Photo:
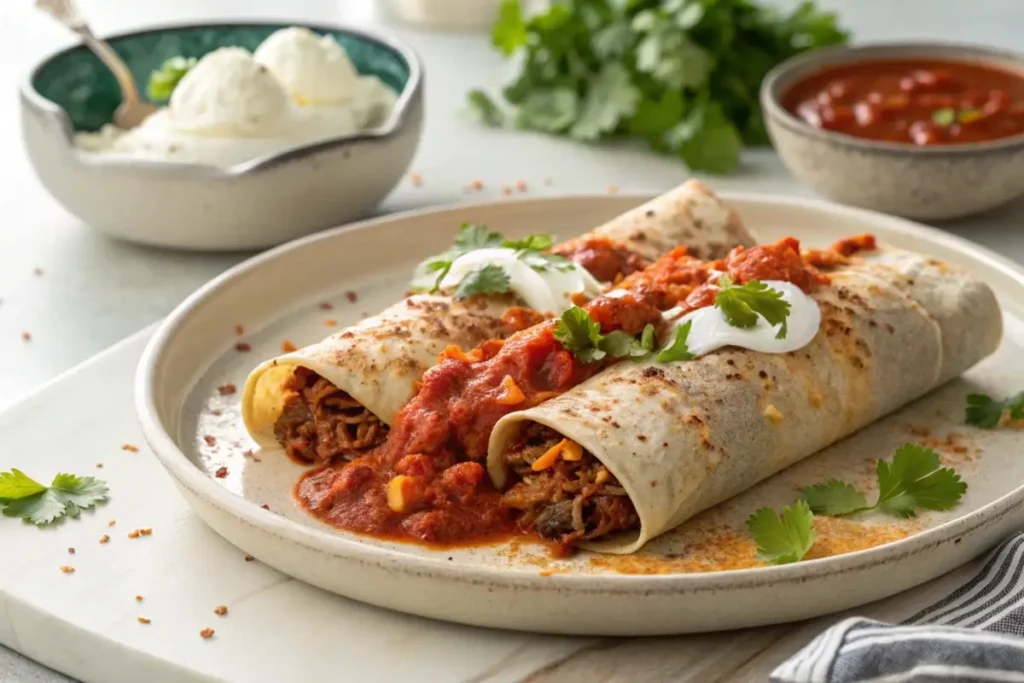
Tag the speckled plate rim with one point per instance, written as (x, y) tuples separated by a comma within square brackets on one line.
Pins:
[(412, 91), (322, 540), (808, 63)]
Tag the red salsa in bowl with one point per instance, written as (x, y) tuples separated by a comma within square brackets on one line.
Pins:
[(923, 102)]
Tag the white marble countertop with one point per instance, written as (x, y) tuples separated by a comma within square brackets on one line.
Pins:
[(76, 292)]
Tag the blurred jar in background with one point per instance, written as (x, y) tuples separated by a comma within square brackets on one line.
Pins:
[(465, 15)]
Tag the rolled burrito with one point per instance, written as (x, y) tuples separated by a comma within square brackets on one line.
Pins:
[(661, 442), (340, 395)]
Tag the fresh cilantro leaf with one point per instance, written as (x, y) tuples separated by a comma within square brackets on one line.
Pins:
[(618, 344), (783, 539), (834, 498), (509, 32), (601, 69), (986, 412), (15, 485), (742, 304), (610, 99), (537, 242), (66, 496), (915, 480), (472, 236), (647, 339), (490, 279), (550, 110), (481, 104), (677, 350), (579, 333), (164, 80), (542, 262)]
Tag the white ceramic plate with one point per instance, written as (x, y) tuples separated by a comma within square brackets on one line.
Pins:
[(197, 434)]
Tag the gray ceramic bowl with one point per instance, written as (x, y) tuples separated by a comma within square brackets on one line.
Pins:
[(251, 205), (927, 183)]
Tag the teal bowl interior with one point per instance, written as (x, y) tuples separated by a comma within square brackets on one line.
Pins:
[(75, 80)]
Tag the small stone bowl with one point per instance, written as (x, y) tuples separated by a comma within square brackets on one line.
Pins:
[(251, 205), (924, 183)]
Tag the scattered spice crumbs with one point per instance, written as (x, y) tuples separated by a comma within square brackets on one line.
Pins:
[(227, 389), (99, 465), (522, 186), (25, 336), (220, 610), (326, 305), (104, 538), (250, 454), (221, 472), (477, 185), (506, 190), (144, 620), (330, 322), (138, 598), (216, 413), (288, 347), (249, 558), (148, 531), (243, 347), (265, 507), (416, 179), (134, 533), (67, 569), (71, 551), (131, 448), (210, 440), (239, 330), (112, 522), (351, 296), (206, 633)]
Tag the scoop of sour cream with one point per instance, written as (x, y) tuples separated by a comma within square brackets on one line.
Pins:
[(548, 291), (710, 331)]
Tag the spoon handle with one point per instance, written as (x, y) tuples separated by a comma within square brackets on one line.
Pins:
[(66, 12)]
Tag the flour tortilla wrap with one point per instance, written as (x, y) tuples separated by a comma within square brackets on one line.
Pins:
[(378, 361), (682, 437)]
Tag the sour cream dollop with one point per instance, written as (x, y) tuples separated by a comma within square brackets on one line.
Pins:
[(710, 330), (549, 291)]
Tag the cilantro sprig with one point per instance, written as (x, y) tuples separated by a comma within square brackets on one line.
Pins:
[(683, 75), (986, 412), (912, 481), (677, 349), (164, 80), (581, 334), (743, 304), (432, 271), (66, 496), (785, 538)]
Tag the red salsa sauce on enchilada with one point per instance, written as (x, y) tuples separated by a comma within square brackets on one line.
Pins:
[(921, 102), (426, 483)]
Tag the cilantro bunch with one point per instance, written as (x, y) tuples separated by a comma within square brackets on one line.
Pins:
[(683, 75)]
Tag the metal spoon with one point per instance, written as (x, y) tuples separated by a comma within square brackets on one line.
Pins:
[(132, 110)]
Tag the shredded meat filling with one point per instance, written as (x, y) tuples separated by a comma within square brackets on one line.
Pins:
[(320, 421), (570, 501)]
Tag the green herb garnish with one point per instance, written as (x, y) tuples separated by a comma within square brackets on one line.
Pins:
[(490, 279), (579, 333), (684, 75), (911, 481), (164, 80), (742, 304), (947, 116), (22, 496), (677, 350), (986, 412), (782, 539)]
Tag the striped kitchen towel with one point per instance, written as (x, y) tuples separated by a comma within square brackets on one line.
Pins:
[(974, 634)]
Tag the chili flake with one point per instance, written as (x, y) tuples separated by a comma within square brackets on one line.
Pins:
[(134, 533), (138, 598), (330, 322), (239, 330), (25, 336), (67, 569), (265, 507), (477, 185), (112, 522), (104, 538), (143, 620), (220, 610), (506, 190), (243, 347), (131, 448), (221, 472), (416, 179), (148, 531), (99, 465), (249, 558), (521, 186), (206, 633), (250, 454), (71, 551), (227, 389), (288, 347), (326, 305), (210, 440)]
